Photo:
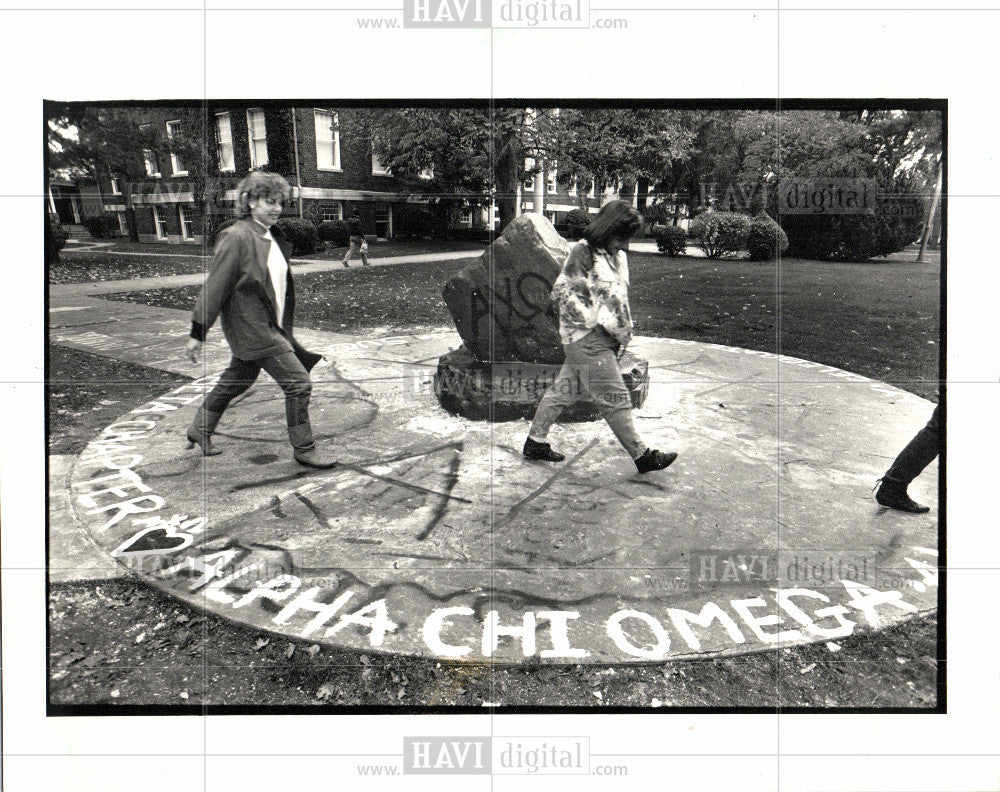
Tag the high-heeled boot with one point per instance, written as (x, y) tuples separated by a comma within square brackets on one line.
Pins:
[(200, 431)]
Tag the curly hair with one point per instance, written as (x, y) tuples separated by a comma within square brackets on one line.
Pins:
[(259, 184)]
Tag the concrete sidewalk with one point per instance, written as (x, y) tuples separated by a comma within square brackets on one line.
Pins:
[(301, 267)]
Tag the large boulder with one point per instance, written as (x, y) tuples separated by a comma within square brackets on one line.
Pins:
[(501, 304), (507, 390)]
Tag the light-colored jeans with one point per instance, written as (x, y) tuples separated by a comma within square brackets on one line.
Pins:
[(357, 246), (590, 373)]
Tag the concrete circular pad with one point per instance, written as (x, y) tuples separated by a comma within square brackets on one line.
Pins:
[(435, 537)]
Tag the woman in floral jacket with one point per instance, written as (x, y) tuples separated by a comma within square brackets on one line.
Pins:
[(595, 325)]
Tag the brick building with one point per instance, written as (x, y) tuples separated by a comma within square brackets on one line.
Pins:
[(332, 172)]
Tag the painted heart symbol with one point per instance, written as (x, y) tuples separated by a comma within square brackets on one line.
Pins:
[(153, 541)]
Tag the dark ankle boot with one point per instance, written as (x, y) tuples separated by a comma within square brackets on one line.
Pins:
[(304, 449), (654, 460), (892, 495), (541, 451), (313, 457), (201, 429)]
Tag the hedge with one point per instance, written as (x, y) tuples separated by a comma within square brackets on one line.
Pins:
[(670, 239), (766, 240), (101, 226), (720, 233), (300, 233)]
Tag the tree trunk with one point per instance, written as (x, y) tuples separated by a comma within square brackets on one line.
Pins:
[(506, 169), (929, 223)]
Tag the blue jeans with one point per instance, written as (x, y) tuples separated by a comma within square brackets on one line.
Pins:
[(590, 373), (287, 371)]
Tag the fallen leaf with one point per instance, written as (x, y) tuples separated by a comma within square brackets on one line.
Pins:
[(325, 691)]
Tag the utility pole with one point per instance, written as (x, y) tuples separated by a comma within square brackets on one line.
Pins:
[(928, 224)]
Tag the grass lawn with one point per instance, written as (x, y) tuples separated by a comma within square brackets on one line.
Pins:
[(125, 260), (878, 319)]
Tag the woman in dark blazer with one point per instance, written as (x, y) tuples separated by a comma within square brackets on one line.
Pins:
[(250, 286)]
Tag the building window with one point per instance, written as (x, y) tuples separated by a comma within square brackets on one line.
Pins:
[(149, 155), (122, 223), (572, 189), (465, 218), (378, 169), (159, 223), (592, 192), (174, 130), (529, 179), (327, 140), (224, 136), (331, 212), (115, 187), (427, 173), (257, 133), (187, 225), (551, 180)]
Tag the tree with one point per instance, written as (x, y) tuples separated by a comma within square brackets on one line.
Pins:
[(442, 153), (101, 142), (628, 146)]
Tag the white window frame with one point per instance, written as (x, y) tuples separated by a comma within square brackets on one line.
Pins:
[(159, 221), (551, 177), (175, 161), (254, 163), (115, 186), (148, 155), (223, 143), (529, 186), (427, 173), (572, 189), (338, 208), (185, 221), (592, 192), (378, 169), (335, 128), (465, 217)]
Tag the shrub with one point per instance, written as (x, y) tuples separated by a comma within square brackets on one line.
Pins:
[(55, 240), (766, 240), (300, 233), (575, 223), (720, 233), (337, 232), (670, 239), (101, 226), (215, 224), (412, 222), (895, 223)]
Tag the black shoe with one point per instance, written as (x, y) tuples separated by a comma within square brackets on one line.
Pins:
[(541, 451), (312, 457), (203, 439), (892, 495), (654, 460)]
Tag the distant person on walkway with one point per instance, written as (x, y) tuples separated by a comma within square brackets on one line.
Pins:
[(595, 325), (917, 455), (358, 244), (250, 284)]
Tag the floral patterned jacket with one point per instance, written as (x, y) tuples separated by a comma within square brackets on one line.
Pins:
[(592, 291)]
